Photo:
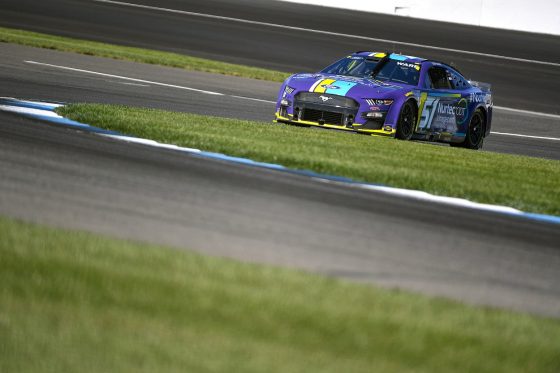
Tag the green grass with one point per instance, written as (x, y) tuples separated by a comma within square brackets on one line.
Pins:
[(65, 44), (530, 184), (76, 302)]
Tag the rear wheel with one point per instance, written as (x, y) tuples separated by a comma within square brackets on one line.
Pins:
[(474, 138), (407, 121)]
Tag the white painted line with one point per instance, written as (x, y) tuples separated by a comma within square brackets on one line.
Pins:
[(212, 16), (526, 136), (124, 77), (145, 81), (134, 84), (253, 99), (528, 112)]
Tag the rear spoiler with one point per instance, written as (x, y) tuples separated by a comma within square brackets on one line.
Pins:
[(484, 87)]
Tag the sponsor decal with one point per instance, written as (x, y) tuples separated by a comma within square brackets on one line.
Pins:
[(411, 65), (448, 115), (378, 102), (450, 109), (318, 86), (458, 110), (444, 123), (374, 108), (464, 106), (325, 98), (477, 97), (304, 76), (332, 86)]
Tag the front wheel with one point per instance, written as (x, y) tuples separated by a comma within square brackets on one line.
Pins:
[(407, 121)]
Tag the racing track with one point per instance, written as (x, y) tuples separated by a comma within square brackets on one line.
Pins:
[(77, 180), (44, 82), (517, 85), (65, 178)]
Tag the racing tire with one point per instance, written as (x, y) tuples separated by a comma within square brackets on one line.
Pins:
[(474, 138), (407, 121)]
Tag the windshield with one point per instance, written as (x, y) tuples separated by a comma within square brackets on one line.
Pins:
[(352, 66), (399, 72)]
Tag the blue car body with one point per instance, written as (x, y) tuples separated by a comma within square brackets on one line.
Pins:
[(392, 95)]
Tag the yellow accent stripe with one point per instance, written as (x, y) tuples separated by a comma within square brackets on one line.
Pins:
[(320, 88), (408, 94), (380, 55), (423, 97), (376, 132)]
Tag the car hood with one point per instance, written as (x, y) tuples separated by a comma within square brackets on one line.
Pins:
[(345, 86)]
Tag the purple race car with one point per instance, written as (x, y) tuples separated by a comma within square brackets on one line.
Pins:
[(393, 95)]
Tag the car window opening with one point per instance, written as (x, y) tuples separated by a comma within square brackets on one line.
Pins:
[(439, 78)]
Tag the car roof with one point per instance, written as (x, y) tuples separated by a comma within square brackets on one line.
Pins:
[(404, 58), (393, 56)]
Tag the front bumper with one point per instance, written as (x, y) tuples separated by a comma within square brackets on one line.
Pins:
[(332, 111), (355, 127)]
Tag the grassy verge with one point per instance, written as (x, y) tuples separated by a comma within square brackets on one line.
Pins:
[(118, 52), (76, 302), (530, 184)]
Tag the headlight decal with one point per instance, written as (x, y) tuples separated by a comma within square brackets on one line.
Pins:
[(378, 102)]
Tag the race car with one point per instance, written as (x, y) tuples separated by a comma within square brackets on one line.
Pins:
[(389, 94)]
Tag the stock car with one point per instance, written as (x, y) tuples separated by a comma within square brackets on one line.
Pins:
[(389, 94)]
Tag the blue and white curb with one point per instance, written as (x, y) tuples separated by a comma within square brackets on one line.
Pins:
[(45, 111)]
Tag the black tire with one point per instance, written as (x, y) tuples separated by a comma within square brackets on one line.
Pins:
[(474, 138), (407, 121)]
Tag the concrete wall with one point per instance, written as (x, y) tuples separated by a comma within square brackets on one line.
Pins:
[(542, 16)]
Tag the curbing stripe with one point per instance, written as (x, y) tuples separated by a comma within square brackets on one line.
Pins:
[(30, 109), (30, 104)]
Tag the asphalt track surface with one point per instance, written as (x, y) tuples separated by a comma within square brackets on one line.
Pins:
[(516, 84), (70, 179)]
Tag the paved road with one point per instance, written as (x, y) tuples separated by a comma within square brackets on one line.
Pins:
[(76, 180), (516, 84), (32, 81), (66, 178)]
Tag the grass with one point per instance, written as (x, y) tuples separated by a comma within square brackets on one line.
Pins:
[(530, 184), (76, 302), (92, 48)]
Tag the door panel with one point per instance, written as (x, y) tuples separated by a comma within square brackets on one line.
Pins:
[(442, 109)]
